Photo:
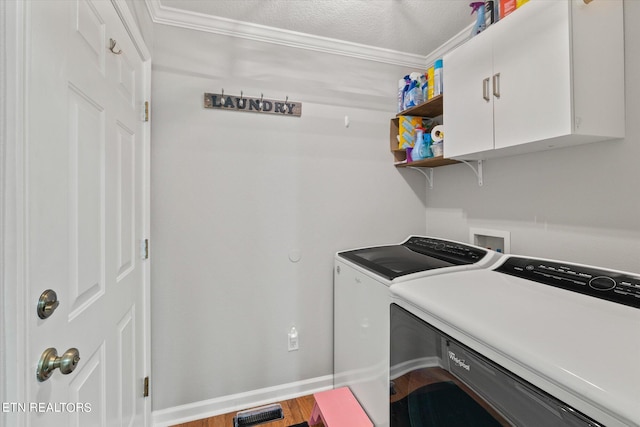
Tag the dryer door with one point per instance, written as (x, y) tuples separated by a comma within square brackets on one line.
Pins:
[(439, 382)]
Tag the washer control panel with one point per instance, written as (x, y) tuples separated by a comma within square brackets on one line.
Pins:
[(445, 249), (605, 284)]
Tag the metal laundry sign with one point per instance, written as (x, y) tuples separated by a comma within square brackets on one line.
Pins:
[(253, 105)]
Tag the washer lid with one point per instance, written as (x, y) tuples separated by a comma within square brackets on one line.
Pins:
[(414, 255), (583, 350)]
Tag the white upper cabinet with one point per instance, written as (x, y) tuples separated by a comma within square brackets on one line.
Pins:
[(467, 102), (549, 75)]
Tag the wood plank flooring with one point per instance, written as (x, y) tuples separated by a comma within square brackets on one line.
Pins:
[(295, 411)]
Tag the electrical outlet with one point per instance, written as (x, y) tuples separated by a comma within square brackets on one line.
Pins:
[(293, 339)]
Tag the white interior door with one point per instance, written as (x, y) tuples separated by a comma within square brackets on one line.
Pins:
[(86, 214)]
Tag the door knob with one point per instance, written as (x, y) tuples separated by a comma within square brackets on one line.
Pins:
[(49, 362), (47, 303)]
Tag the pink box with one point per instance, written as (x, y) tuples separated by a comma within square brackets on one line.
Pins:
[(338, 408)]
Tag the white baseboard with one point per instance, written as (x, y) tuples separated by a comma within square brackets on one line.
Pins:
[(236, 402)]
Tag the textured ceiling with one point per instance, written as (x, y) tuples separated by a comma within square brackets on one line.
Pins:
[(413, 26)]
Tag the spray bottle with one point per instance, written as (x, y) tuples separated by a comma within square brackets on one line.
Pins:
[(402, 97), (481, 22), (401, 85), (414, 94)]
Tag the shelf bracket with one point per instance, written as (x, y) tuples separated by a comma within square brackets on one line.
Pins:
[(477, 171), (429, 176)]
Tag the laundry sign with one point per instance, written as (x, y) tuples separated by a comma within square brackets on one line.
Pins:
[(254, 105)]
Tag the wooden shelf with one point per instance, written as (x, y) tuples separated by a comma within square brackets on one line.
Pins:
[(433, 162), (431, 108)]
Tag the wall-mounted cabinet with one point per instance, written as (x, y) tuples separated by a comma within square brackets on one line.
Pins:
[(551, 74)]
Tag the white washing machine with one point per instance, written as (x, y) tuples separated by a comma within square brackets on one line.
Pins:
[(362, 278), (528, 342)]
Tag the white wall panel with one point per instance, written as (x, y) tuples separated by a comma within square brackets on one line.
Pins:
[(236, 196)]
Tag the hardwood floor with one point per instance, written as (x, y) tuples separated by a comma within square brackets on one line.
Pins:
[(295, 411)]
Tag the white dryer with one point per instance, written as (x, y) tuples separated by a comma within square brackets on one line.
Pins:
[(529, 342), (362, 278)]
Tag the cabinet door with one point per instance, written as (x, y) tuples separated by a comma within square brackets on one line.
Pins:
[(468, 109), (531, 54)]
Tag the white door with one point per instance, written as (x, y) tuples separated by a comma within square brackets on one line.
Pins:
[(86, 214), (468, 100), (531, 51)]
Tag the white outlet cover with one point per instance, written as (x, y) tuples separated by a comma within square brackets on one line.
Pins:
[(292, 343)]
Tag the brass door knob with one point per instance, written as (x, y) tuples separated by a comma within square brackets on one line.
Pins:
[(49, 362)]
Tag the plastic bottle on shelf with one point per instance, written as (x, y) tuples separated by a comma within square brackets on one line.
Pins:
[(437, 78), (414, 94), (421, 149), (405, 90), (428, 143), (478, 7), (401, 85), (424, 86)]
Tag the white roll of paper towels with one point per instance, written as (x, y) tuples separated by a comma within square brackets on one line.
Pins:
[(437, 133)]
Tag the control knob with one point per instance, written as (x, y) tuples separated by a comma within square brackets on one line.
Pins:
[(602, 283)]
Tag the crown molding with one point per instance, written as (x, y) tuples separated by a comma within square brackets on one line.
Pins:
[(212, 24), (449, 45), (229, 27)]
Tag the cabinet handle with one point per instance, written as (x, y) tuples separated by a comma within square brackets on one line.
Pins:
[(485, 89), (496, 85)]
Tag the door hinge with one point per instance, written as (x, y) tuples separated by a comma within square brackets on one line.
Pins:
[(145, 249), (146, 111), (145, 392)]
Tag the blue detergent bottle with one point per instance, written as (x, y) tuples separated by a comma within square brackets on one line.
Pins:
[(478, 7), (422, 148), (427, 142)]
